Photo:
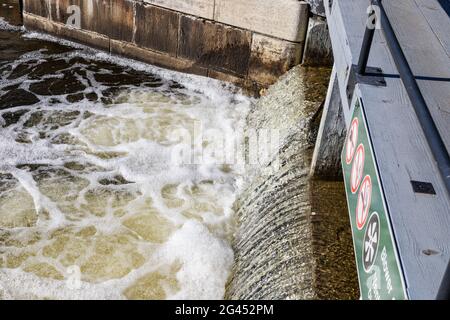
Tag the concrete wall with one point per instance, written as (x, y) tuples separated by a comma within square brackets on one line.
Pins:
[(248, 42)]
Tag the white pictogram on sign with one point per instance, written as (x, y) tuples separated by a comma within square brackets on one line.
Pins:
[(371, 242), (352, 140), (364, 202), (357, 169)]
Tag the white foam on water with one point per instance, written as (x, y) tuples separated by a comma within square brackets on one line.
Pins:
[(214, 89), (5, 26), (15, 284), (205, 262), (163, 233)]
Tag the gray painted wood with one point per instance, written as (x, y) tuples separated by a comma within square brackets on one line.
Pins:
[(421, 223), (438, 20), (326, 162), (427, 57), (342, 55)]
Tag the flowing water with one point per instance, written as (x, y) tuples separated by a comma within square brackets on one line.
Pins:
[(92, 202), (294, 240), (274, 258)]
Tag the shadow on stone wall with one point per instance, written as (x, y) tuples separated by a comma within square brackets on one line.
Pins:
[(11, 11)]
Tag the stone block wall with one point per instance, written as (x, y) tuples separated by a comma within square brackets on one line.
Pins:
[(248, 42)]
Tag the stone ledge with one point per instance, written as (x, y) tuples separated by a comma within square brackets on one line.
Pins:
[(251, 87), (114, 19), (284, 19), (199, 8), (271, 58), (156, 58), (93, 39)]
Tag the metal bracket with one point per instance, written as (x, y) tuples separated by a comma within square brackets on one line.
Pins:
[(373, 77), (423, 187)]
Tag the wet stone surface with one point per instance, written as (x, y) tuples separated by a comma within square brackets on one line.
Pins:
[(17, 97)]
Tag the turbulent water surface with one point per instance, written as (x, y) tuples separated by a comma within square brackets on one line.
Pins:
[(92, 204)]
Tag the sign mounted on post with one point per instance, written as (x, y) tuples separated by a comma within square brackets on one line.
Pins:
[(379, 272)]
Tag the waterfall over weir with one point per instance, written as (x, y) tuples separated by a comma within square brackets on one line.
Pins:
[(293, 240)]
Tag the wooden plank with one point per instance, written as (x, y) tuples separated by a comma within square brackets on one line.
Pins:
[(438, 20), (284, 19), (408, 16), (342, 56), (421, 222)]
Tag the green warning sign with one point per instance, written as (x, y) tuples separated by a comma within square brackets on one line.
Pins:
[(379, 272)]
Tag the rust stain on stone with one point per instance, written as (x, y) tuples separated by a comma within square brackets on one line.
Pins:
[(37, 7), (157, 28), (122, 20), (215, 45), (272, 58)]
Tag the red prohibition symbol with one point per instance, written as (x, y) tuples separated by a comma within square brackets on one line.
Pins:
[(352, 140), (357, 168), (364, 202)]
